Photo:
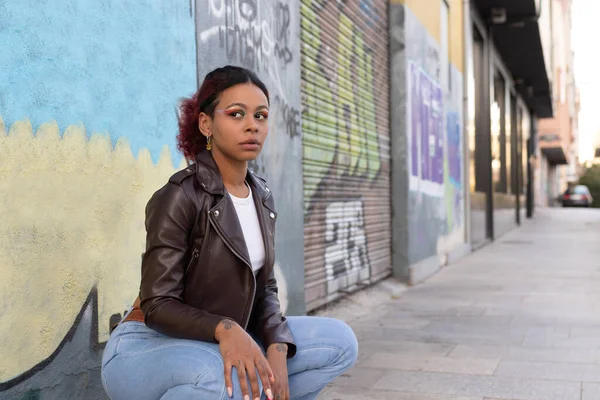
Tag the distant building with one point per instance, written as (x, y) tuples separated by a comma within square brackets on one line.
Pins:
[(557, 152)]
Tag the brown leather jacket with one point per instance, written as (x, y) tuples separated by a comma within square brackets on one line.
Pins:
[(196, 269)]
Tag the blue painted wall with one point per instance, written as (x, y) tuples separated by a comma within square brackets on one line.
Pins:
[(116, 66)]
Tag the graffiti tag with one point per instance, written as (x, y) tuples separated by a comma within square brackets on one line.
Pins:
[(252, 32), (345, 238)]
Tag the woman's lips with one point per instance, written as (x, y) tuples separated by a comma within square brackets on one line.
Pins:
[(250, 145)]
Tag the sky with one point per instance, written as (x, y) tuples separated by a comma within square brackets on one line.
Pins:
[(585, 34)]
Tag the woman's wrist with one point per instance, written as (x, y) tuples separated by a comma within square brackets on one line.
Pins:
[(278, 348), (224, 328)]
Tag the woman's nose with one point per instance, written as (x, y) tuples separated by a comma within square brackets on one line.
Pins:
[(252, 125)]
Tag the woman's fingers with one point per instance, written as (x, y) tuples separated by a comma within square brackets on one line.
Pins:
[(264, 371), (228, 384), (241, 371), (251, 370), (253, 380)]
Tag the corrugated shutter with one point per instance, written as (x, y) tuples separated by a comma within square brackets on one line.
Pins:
[(346, 145)]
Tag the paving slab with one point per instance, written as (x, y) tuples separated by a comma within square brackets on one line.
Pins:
[(550, 370), (590, 391), (350, 394), (524, 353), (481, 366), (478, 385)]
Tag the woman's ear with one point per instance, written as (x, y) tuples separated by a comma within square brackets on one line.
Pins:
[(204, 124)]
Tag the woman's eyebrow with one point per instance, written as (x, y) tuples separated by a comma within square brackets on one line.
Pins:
[(262, 106), (236, 104)]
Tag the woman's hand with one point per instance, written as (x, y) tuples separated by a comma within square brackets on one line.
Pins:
[(239, 350), (277, 357)]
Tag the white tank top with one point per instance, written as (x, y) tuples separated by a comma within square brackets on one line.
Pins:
[(248, 218)]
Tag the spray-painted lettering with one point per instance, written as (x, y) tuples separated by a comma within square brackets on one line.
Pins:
[(282, 33), (345, 238), (251, 38), (289, 117)]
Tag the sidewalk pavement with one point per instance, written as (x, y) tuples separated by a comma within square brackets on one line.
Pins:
[(517, 320)]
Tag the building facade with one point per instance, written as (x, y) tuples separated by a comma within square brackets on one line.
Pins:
[(403, 135), (506, 93), (429, 194), (557, 155)]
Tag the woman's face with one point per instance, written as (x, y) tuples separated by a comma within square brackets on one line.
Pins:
[(240, 124)]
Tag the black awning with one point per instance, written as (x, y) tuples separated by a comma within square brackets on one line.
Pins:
[(518, 41), (555, 155)]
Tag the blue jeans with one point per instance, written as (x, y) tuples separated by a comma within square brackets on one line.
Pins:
[(140, 363)]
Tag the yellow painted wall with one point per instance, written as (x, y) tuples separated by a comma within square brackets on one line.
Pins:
[(457, 36), (428, 12), (72, 218)]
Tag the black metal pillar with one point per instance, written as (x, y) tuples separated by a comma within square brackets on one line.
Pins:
[(531, 145)]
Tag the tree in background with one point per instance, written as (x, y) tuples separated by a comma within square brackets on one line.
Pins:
[(591, 179)]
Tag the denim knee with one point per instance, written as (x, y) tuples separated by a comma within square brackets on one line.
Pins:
[(348, 343)]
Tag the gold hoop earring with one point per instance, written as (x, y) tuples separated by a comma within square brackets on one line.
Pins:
[(208, 144)]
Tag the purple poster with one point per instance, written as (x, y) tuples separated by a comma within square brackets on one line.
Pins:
[(426, 112)]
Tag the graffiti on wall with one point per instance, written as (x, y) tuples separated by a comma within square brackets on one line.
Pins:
[(289, 117), (258, 35), (78, 348), (63, 64), (434, 141), (454, 196), (426, 137), (263, 35), (345, 143), (453, 172), (87, 133), (73, 245), (345, 240), (339, 100), (370, 13), (72, 259), (247, 37)]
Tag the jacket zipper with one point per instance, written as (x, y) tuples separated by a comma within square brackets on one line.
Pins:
[(237, 254), (195, 254)]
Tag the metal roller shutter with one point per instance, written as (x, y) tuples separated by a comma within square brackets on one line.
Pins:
[(346, 146)]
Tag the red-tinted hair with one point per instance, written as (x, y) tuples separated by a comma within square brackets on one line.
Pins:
[(190, 140)]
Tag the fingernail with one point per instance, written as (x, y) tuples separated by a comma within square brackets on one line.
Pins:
[(269, 394), (246, 397), (257, 398), (229, 391)]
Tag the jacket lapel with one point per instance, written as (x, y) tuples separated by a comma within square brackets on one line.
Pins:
[(227, 223), (266, 219), (224, 217), (267, 216)]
